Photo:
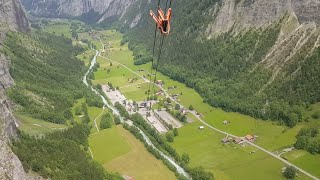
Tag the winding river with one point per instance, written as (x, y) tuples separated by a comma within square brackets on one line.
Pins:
[(180, 170)]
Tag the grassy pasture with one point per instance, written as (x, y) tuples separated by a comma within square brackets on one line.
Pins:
[(118, 150)]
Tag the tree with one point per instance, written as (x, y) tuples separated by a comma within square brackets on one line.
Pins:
[(111, 64), (86, 118), (108, 71), (117, 120), (175, 132), (290, 172), (106, 121), (99, 87), (302, 142), (200, 173), (191, 108), (314, 146), (177, 107), (170, 137), (185, 158), (84, 108), (77, 110), (68, 114), (169, 100)]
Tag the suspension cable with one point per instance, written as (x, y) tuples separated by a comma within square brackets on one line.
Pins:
[(153, 52)]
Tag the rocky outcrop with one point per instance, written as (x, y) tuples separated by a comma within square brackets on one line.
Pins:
[(256, 13), (90, 10), (12, 15)]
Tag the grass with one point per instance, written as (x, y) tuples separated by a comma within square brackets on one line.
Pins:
[(225, 161), (118, 150), (61, 27), (309, 162), (36, 127)]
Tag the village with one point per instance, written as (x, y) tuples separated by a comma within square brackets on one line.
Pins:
[(161, 119)]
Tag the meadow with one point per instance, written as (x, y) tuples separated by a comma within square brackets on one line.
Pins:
[(36, 127), (118, 150)]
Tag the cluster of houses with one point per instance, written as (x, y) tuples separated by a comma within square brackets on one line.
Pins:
[(239, 140)]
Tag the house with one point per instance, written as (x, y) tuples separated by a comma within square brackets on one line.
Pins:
[(225, 122), (250, 138), (238, 141), (183, 111), (225, 140), (201, 127), (130, 80), (159, 82)]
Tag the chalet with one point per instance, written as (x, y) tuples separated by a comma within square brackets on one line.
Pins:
[(184, 111), (238, 140), (250, 138), (226, 140)]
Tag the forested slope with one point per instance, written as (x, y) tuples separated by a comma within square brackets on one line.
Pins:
[(48, 79), (47, 75), (266, 67)]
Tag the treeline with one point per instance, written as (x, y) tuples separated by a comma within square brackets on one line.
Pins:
[(47, 75), (221, 69), (160, 143), (60, 155), (307, 139)]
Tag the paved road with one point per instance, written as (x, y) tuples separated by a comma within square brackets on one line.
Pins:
[(218, 130)]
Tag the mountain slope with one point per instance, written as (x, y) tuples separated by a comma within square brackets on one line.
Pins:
[(90, 11), (12, 17)]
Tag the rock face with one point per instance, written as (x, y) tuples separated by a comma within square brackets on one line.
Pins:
[(12, 17), (93, 10), (257, 13)]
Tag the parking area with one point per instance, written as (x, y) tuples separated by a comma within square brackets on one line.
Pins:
[(157, 124), (113, 96), (165, 116)]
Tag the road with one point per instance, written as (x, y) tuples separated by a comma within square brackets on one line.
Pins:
[(213, 128)]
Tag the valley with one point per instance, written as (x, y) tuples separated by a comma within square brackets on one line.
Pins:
[(267, 131)]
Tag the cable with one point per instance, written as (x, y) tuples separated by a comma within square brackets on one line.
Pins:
[(153, 52), (158, 62)]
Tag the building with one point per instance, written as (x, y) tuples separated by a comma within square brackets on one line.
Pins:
[(238, 141), (225, 140), (250, 138), (184, 111), (201, 127), (225, 122)]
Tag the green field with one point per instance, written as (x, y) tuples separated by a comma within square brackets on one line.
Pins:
[(226, 162), (118, 150), (58, 27), (309, 162), (36, 127)]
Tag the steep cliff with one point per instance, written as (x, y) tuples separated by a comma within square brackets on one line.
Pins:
[(88, 10), (12, 17)]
